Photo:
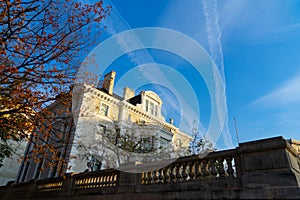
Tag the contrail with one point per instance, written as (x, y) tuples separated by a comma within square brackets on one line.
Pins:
[(115, 24), (210, 9)]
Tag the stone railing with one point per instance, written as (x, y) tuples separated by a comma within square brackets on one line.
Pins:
[(214, 165), (261, 169), (102, 181), (50, 185)]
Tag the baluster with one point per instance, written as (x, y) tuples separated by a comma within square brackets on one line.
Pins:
[(230, 170), (149, 175), (198, 172), (101, 181), (144, 178), (155, 176), (177, 173), (184, 174), (107, 180), (213, 167), (80, 183), (84, 183), (160, 176), (191, 171), (88, 181), (110, 180), (221, 167), (172, 176), (204, 168), (166, 175), (115, 179), (95, 182), (91, 182)]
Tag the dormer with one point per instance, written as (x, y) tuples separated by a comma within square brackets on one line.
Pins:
[(148, 101), (151, 103)]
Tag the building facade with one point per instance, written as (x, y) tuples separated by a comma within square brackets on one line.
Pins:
[(103, 115), (43, 164), (108, 130), (295, 144), (9, 170)]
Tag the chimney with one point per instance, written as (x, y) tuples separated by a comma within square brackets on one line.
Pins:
[(128, 93), (108, 82)]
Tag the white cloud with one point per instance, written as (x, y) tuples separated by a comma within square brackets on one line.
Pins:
[(116, 24), (232, 12), (286, 95), (210, 9), (205, 29), (257, 22)]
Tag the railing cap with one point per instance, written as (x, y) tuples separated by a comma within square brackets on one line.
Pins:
[(262, 145)]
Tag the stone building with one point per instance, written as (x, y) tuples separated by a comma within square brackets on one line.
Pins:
[(10, 165), (9, 170), (295, 144), (63, 125), (108, 130)]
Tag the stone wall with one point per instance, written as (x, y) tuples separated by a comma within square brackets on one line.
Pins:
[(263, 169)]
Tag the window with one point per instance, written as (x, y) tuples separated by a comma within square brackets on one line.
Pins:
[(104, 109), (38, 170), (94, 164), (151, 107), (55, 167), (102, 128), (151, 110), (25, 171), (147, 105), (147, 144), (143, 122), (100, 131), (164, 142)]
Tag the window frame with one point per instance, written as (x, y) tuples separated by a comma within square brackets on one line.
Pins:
[(106, 111), (151, 107)]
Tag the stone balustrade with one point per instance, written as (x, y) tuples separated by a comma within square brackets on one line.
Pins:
[(263, 169), (49, 186), (214, 165), (96, 182)]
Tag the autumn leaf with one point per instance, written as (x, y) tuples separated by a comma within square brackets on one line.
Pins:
[(39, 42)]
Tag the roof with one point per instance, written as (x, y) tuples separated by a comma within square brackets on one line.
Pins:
[(135, 100), (113, 95)]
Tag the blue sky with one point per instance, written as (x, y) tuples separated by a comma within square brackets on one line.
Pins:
[(255, 45)]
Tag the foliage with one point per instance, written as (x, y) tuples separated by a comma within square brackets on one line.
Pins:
[(123, 143), (40, 46), (5, 152), (200, 145)]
